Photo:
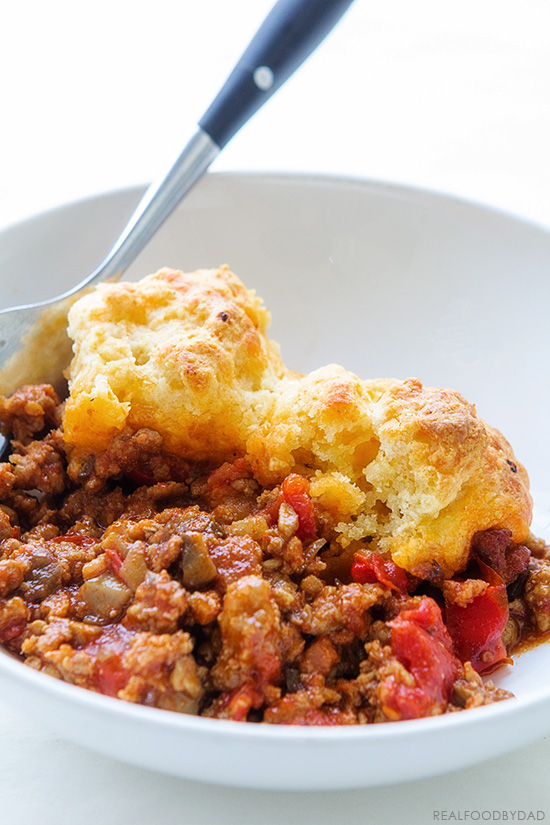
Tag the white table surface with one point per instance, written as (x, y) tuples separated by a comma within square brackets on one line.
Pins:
[(94, 96)]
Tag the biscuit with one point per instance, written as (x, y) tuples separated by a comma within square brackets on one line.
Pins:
[(183, 354), (412, 470)]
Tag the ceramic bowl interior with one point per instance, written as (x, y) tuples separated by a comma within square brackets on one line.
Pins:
[(388, 281)]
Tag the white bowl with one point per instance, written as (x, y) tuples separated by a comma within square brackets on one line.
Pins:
[(388, 281)]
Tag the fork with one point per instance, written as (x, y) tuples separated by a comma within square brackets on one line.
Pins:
[(34, 346)]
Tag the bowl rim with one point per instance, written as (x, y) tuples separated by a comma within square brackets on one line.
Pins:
[(382, 185)]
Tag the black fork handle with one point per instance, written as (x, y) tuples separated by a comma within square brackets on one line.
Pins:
[(288, 35)]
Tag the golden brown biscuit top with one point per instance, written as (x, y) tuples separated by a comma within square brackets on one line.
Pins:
[(185, 355), (410, 468)]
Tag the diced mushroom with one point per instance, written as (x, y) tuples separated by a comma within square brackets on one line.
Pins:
[(44, 577), (134, 568), (105, 596), (198, 567)]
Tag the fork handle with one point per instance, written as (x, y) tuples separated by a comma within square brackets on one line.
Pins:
[(290, 32)]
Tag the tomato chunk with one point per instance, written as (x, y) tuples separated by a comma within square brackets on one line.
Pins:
[(115, 559), (109, 674), (228, 473), (251, 694), (110, 677), (241, 700), (477, 627), (12, 630), (296, 494), (372, 567), (423, 646)]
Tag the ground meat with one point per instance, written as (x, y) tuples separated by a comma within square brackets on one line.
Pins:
[(163, 672), (101, 509), (463, 593), (158, 605), (204, 607), (341, 612), (537, 595), (39, 466), (7, 480), (12, 574), (235, 557), (57, 648), (188, 587), (139, 456), (495, 548), (470, 691), (251, 651), (29, 411), (14, 615), (517, 624), (316, 704), (538, 547), (321, 656)]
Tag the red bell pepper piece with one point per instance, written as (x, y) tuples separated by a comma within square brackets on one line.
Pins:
[(423, 646), (296, 494), (371, 567), (477, 628)]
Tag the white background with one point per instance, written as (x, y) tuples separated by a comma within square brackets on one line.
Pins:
[(94, 96)]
